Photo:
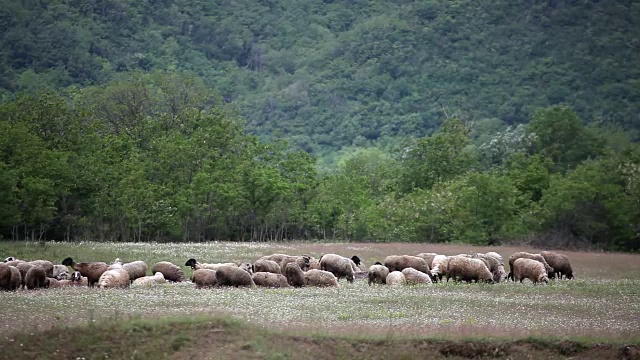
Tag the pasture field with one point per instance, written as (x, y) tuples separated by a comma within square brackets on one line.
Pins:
[(595, 316)]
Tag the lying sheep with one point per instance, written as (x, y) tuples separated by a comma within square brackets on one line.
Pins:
[(266, 266), (195, 265), (275, 257), (524, 268), (294, 275), (92, 270), (135, 269), (36, 278), (204, 278), (320, 278), (59, 270), (400, 262), (522, 254), (339, 266), (462, 268), (114, 277), (396, 278), (248, 267), (148, 281), (78, 280), (559, 263), (233, 276), (439, 267), (413, 276), (269, 279), (378, 274), (170, 271)]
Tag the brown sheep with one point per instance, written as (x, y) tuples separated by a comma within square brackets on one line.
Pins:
[(46, 265), (378, 274), (294, 275), (492, 264), (560, 264), (204, 278), (263, 265), (10, 278), (400, 262), (269, 279), (24, 267), (463, 268), (524, 268), (339, 266), (233, 276), (36, 278), (170, 271), (92, 270), (304, 261), (522, 254)]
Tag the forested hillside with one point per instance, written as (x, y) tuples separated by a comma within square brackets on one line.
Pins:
[(330, 74), (443, 121)]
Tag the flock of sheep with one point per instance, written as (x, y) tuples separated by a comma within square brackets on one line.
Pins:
[(281, 270)]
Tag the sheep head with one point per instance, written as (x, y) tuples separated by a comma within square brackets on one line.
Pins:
[(191, 262), (356, 259), (68, 262)]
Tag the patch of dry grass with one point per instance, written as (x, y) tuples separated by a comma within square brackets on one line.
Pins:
[(600, 304)]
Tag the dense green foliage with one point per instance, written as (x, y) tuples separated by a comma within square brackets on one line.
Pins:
[(156, 157), (442, 121), (335, 74)]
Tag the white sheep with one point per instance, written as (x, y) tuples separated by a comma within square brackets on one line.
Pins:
[(413, 276), (396, 278), (149, 281), (378, 274), (524, 268), (114, 277), (462, 268)]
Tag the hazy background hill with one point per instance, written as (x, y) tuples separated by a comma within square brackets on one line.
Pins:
[(331, 74)]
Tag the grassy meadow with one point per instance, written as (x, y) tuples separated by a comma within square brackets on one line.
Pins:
[(600, 306)]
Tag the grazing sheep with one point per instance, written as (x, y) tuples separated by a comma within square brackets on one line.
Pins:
[(320, 278), (559, 263), (294, 275), (492, 264), (496, 256), (428, 257), (413, 276), (114, 277), (53, 283), (378, 274), (359, 264), (266, 266), (148, 281), (204, 278), (195, 265), (439, 267), (400, 262), (339, 266), (16, 278), (36, 278), (462, 268), (524, 268), (23, 267), (170, 271), (522, 254), (269, 279), (44, 264), (303, 261), (396, 278), (233, 276), (10, 278), (92, 270)]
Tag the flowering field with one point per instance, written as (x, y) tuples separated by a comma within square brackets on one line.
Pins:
[(601, 304)]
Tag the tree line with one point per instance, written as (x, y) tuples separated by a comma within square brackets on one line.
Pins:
[(161, 157)]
